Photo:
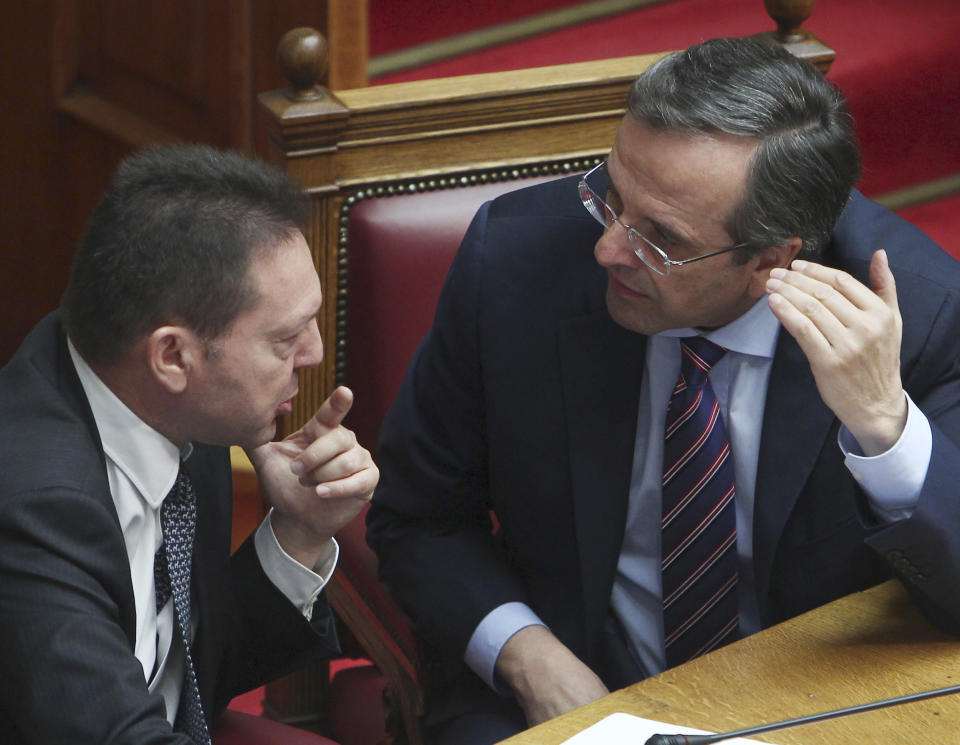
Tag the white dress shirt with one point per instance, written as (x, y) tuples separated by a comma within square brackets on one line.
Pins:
[(142, 467), (892, 481)]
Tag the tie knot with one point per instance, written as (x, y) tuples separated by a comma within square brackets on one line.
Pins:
[(697, 356), (182, 489)]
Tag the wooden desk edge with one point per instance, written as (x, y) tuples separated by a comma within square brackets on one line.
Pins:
[(863, 647)]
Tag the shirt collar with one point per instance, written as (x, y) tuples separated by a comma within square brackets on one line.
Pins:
[(146, 457), (754, 333)]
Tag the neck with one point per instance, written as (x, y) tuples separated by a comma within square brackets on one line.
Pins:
[(137, 391)]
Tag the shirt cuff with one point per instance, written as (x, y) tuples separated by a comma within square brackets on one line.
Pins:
[(300, 585), (491, 634), (893, 479)]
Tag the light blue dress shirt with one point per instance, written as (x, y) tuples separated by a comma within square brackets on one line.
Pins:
[(892, 481)]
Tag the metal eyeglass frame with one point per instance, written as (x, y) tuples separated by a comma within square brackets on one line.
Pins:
[(638, 241)]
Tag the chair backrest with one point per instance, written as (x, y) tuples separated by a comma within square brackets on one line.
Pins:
[(398, 251), (394, 175)]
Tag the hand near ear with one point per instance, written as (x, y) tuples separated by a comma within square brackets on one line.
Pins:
[(851, 336), (317, 479)]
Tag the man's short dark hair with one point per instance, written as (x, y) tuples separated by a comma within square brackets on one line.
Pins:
[(172, 242), (807, 160)]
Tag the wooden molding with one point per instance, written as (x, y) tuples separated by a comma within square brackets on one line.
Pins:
[(113, 120)]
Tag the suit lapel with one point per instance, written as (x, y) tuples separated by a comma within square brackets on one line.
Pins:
[(796, 422), (601, 366)]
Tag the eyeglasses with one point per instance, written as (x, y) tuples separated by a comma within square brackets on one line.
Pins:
[(646, 250)]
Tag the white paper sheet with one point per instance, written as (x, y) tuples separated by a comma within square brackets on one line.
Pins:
[(626, 729)]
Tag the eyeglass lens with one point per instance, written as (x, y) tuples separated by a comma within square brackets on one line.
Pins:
[(605, 215)]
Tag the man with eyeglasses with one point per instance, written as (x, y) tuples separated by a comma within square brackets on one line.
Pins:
[(737, 290)]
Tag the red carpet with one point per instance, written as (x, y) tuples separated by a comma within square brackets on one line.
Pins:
[(897, 62), (938, 219), (397, 24)]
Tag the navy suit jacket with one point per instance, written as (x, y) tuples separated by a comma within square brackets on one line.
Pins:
[(67, 616), (522, 400)]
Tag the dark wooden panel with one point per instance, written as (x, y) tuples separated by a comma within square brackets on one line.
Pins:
[(169, 63), (31, 241), (162, 43), (85, 81)]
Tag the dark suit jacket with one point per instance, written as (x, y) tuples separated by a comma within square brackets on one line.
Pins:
[(67, 617), (522, 399)]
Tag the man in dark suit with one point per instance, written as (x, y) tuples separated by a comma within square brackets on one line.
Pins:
[(191, 306), (544, 391)]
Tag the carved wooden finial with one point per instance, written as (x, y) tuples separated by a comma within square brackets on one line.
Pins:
[(789, 16), (304, 55)]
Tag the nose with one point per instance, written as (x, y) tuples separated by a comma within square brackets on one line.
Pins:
[(613, 248), (311, 350)]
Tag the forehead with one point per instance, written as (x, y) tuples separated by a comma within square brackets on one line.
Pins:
[(680, 176), (287, 285)]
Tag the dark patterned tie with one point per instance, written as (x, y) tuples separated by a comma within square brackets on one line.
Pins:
[(171, 570), (699, 529)]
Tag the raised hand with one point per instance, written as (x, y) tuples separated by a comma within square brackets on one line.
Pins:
[(851, 336), (318, 479)]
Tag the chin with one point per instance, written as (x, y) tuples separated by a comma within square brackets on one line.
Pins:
[(269, 433), (632, 319), (262, 437)]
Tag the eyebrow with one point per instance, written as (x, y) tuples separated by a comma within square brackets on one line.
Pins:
[(666, 231), (295, 327)]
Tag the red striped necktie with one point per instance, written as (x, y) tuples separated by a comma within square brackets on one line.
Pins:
[(699, 529)]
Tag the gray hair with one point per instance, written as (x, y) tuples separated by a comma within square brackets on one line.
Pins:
[(807, 160)]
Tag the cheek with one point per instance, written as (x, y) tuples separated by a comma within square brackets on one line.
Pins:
[(269, 375), (686, 299), (279, 374)]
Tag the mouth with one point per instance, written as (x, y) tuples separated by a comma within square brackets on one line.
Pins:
[(287, 406), (620, 288)]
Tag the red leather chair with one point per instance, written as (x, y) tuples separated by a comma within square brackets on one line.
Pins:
[(399, 249), (237, 728)]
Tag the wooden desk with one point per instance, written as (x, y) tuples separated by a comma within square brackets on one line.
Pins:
[(867, 646)]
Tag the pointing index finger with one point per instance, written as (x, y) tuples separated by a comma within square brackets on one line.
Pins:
[(331, 412)]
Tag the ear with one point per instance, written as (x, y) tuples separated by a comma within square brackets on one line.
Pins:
[(173, 355), (770, 258)]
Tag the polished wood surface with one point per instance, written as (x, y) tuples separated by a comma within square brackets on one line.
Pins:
[(865, 647)]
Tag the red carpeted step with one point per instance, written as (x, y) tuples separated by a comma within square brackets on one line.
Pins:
[(397, 24), (898, 63), (940, 220)]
